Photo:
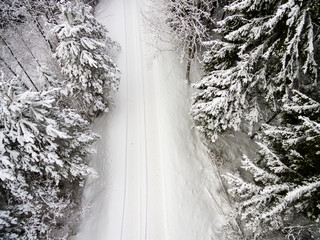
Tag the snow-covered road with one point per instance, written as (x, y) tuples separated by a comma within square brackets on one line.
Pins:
[(156, 181)]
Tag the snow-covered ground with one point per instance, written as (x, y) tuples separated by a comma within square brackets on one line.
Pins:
[(156, 180)]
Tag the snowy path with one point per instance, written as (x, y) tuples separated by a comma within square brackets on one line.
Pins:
[(156, 181)]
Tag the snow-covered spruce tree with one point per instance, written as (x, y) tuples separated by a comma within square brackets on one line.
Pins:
[(42, 155), (286, 175), (188, 22), (267, 48), (84, 56)]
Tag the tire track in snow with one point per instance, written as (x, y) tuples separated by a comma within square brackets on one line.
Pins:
[(133, 204), (149, 195), (144, 169), (142, 114), (156, 81), (137, 95), (126, 143)]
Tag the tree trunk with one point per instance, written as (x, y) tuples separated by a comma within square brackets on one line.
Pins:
[(30, 51), (13, 72), (190, 58), (26, 45), (6, 44), (39, 27), (10, 69), (224, 14), (267, 122), (43, 35), (188, 71)]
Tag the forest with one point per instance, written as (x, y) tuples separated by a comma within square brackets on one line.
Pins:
[(261, 77), (56, 77), (260, 61)]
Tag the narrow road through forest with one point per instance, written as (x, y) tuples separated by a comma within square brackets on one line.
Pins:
[(156, 180)]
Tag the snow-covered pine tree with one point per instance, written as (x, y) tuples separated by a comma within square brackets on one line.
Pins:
[(42, 153), (267, 48), (84, 56), (286, 175)]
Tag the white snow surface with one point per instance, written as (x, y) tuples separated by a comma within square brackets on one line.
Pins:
[(156, 180)]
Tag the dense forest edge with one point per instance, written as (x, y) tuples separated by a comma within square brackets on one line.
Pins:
[(260, 60), (259, 91), (56, 78)]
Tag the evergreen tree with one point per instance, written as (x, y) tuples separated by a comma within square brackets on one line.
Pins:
[(84, 56), (286, 176), (267, 48), (42, 153)]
